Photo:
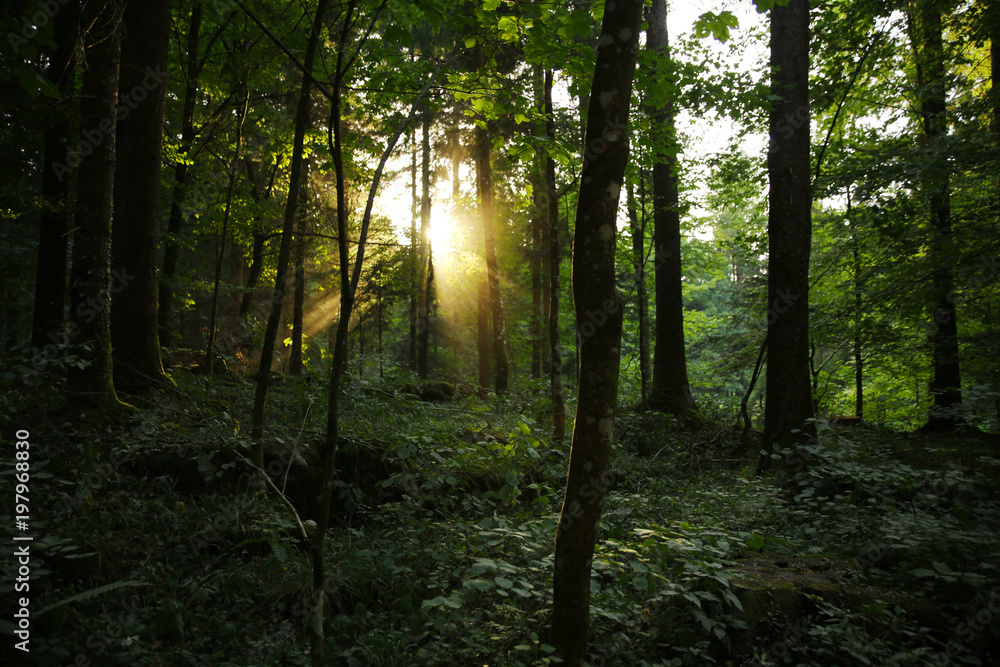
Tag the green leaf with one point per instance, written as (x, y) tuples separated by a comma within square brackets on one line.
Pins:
[(718, 25), (479, 584), (470, 42)]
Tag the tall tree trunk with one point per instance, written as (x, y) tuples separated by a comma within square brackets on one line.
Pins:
[(552, 275), (295, 363), (176, 219), (484, 189), (859, 313), (424, 300), (90, 277), (637, 226), (788, 397), (670, 391), (414, 257), (539, 218), (928, 49), (348, 290), (223, 238), (285, 250), (483, 329), (135, 335), (50, 276), (599, 311)]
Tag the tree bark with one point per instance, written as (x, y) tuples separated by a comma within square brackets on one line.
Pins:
[(295, 363), (788, 396), (424, 298), (637, 227), (539, 218), (599, 325), (946, 380), (670, 391), (414, 257), (553, 264), (90, 278), (223, 239), (142, 95), (284, 252), (176, 219), (859, 313), (348, 290), (483, 330), (50, 276), (484, 188)]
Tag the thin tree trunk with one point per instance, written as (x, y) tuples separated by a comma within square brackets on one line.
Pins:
[(638, 229), (284, 252), (539, 218), (788, 397), (50, 275), (670, 391), (553, 265), (348, 290), (599, 311), (176, 219), (223, 237), (415, 267), (859, 313), (483, 328), (295, 364), (484, 188), (142, 90), (423, 302), (92, 386)]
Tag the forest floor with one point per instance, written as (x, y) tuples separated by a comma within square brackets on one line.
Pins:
[(151, 549)]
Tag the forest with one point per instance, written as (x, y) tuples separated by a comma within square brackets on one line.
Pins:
[(499, 332)]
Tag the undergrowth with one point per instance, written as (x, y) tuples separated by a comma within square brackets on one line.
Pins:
[(153, 548)]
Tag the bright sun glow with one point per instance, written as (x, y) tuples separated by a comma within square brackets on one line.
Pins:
[(442, 236)]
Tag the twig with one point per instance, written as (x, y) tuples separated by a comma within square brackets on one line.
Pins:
[(284, 499), (295, 447)]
